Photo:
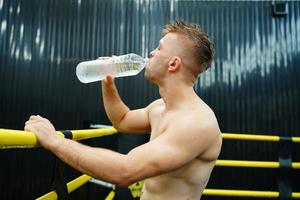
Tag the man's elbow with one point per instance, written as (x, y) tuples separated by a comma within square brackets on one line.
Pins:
[(120, 127), (123, 183), (119, 124), (128, 175), (126, 179), (121, 177)]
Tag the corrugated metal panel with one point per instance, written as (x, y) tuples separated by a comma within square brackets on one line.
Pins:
[(253, 84)]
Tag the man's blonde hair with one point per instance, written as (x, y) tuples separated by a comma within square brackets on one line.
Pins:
[(203, 47)]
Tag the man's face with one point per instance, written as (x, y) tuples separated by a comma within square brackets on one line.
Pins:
[(160, 57)]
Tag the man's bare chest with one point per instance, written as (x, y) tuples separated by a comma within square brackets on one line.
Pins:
[(158, 126)]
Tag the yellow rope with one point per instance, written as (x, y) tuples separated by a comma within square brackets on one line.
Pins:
[(24, 139), (245, 193), (111, 195), (259, 164), (296, 165), (234, 136), (269, 138), (296, 139), (72, 185), (92, 133), (14, 138)]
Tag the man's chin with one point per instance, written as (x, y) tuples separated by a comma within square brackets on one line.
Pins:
[(147, 77)]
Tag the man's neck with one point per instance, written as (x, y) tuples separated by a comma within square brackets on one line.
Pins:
[(176, 95)]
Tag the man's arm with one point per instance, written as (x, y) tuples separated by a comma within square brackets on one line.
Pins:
[(121, 117), (166, 153)]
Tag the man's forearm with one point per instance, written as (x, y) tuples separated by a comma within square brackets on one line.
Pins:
[(97, 162), (114, 106)]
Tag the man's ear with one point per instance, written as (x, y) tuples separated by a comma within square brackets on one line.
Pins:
[(174, 64)]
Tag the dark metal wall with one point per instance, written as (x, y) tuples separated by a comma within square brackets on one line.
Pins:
[(253, 84)]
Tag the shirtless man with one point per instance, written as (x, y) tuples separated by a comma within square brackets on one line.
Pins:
[(185, 137)]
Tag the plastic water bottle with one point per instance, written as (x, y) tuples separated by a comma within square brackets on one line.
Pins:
[(117, 66)]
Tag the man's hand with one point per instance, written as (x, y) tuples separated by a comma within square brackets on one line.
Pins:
[(108, 81), (43, 130)]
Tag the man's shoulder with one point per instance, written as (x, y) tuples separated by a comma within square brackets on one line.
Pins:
[(155, 104), (199, 120), (158, 102), (196, 130)]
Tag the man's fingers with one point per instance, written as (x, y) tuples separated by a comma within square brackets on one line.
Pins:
[(109, 79), (26, 127), (33, 117), (31, 122), (29, 127)]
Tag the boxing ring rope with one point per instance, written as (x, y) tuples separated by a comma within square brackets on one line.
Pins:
[(267, 138), (76, 183), (25, 139), (256, 164), (71, 186), (246, 193)]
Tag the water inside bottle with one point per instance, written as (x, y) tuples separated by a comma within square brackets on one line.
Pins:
[(92, 73)]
